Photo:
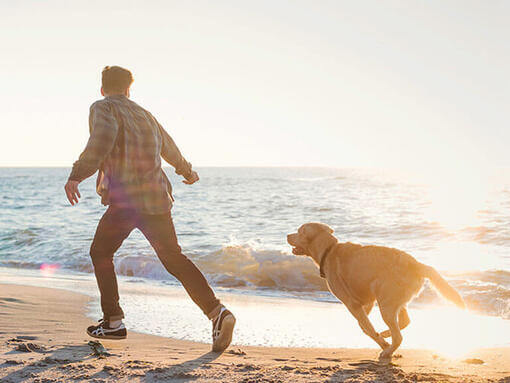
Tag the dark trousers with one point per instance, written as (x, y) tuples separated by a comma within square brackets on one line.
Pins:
[(114, 227)]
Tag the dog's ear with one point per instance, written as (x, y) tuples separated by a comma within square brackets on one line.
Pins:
[(328, 228)]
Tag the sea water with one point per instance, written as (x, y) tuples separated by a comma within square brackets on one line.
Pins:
[(233, 225)]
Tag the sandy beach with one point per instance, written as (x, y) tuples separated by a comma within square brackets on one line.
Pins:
[(42, 339)]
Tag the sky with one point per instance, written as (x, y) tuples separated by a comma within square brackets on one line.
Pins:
[(396, 84)]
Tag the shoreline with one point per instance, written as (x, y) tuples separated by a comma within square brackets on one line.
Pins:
[(300, 323), (55, 320)]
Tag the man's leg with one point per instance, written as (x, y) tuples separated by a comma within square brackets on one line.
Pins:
[(113, 228), (159, 230)]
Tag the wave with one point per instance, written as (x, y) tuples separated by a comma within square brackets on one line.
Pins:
[(21, 237), (237, 266), (488, 235), (243, 266), (486, 292)]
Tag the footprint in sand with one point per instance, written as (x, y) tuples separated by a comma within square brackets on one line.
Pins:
[(473, 361), (10, 300), (27, 337), (329, 359)]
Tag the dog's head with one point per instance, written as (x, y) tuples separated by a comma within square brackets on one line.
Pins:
[(309, 237)]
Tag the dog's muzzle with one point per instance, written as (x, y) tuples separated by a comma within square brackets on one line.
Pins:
[(296, 250)]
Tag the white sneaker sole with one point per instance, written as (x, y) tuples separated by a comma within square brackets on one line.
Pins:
[(114, 337), (227, 329)]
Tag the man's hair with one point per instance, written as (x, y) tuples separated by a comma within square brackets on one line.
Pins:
[(116, 79)]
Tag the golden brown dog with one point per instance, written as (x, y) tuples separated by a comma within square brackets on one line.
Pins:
[(360, 275)]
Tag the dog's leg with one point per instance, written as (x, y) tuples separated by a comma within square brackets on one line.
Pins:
[(366, 326), (403, 322), (368, 307), (390, 316)]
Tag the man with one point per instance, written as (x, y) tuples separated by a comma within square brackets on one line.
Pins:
[(126, 145)]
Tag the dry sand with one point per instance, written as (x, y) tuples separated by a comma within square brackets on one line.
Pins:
[(42, 339)]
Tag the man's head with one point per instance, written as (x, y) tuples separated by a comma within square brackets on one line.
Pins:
[(116, 80)]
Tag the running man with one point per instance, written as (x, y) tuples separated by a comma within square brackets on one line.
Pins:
[(126, 145)]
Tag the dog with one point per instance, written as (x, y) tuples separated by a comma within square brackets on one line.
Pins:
[(361, 275)]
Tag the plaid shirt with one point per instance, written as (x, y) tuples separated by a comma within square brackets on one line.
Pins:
[(126, 144)]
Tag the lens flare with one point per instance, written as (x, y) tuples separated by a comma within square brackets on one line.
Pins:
[(48, 269)]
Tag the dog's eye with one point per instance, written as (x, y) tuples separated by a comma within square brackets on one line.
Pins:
[(304, 233)]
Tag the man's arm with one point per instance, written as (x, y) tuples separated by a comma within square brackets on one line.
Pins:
[(103, 132), (171, 154)]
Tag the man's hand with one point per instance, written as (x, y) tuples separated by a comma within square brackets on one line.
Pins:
[(192, 178), (72, 191)]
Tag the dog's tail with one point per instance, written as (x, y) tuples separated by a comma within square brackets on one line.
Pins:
[(442, 286)]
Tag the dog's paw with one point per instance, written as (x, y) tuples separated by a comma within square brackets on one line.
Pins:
[(385, 334), (385, 355)]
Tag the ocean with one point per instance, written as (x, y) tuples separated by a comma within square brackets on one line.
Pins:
[(233, 225)]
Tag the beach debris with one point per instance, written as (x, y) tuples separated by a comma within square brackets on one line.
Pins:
[(29, 347), (236, 352), (98, 349), (473, 361), (12, 361)]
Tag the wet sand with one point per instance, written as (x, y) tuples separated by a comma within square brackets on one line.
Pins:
[(42, 339)]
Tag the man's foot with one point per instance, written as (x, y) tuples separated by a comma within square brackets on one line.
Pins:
[(104, 331), (223, 327)]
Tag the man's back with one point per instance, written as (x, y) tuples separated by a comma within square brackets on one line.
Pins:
[(126, 144)]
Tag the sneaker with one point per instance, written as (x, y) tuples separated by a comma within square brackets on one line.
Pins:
[(223, 327), (104, 331)]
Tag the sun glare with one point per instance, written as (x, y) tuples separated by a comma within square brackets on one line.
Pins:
[(454, 333), (456, 198)]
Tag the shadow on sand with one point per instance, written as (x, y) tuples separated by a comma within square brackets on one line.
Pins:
[(146, 371), (79, 364), (58, 357)]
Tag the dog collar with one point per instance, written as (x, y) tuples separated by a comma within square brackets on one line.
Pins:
[(323, 260)]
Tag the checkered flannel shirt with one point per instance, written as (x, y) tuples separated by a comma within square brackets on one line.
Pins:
[(126, 144)]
